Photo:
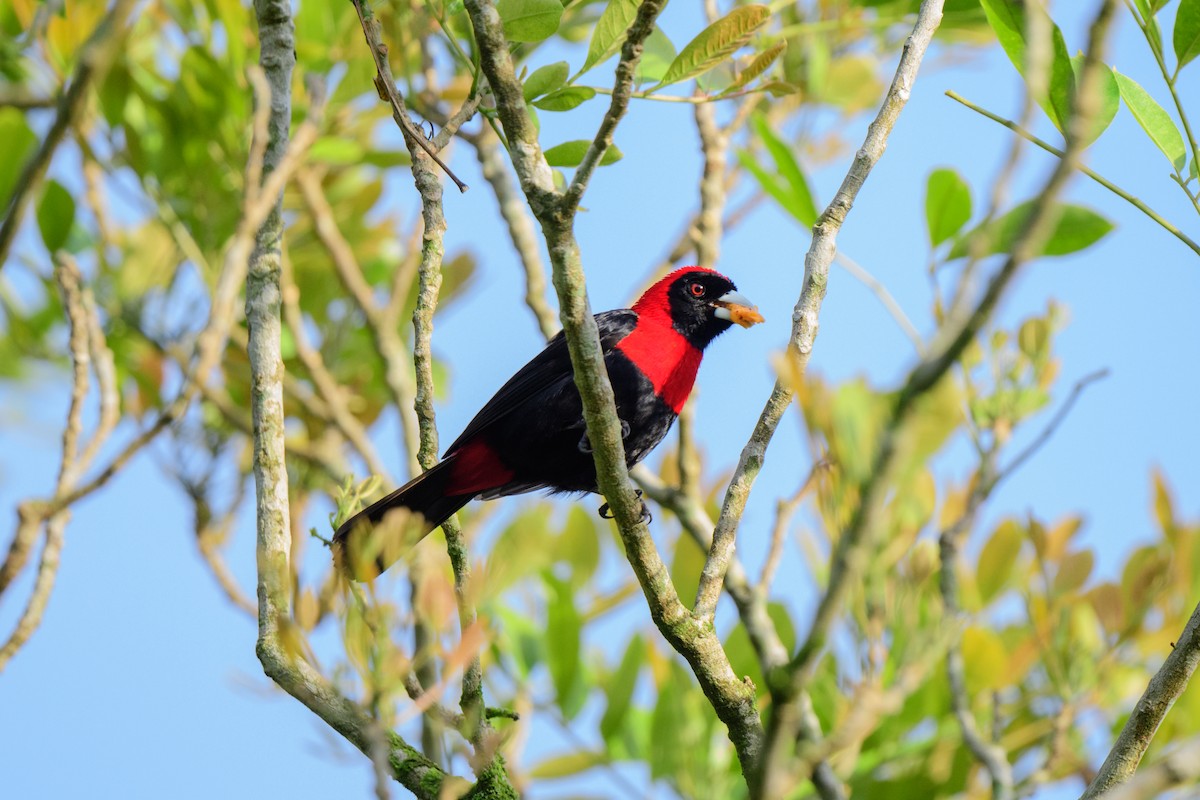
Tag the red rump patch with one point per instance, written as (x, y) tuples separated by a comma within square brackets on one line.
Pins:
[(477, 468), (665, 357)]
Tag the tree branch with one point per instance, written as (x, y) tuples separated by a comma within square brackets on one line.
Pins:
[(490, 769), (631, 53), (992, 756), (1161, 693), (856, 541), (520, 229), (805, 315), (733, 701), (279, 647)]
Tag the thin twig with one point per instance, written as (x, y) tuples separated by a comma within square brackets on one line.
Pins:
[(385, 85), (751, 603), (784, 509), (70, 284), (989, 754), (880, 291), (327, 385), (1059, 417), (520, 229), (631, 53)]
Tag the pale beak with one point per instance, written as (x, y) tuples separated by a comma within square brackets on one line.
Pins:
[(737, 308)]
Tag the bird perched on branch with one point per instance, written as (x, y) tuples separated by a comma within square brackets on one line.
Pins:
[(531, 434)]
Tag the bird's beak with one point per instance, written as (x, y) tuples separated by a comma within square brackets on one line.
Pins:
[(737, 308)]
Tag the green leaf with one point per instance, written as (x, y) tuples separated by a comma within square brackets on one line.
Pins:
[(716, 43), (1078, 228), (1110, 98), (620, 688), (544, 80), (55, 215), (566, 765), (686, 565), (1007, 18), (387, 158), (657, 55), (780, 88), (1156, 122), (758, 66), (562, 651), (524, 641), (609, 34), (852, 83), (570, 154), (997, 559), (579, 545), (770, 184), (19, 142), (1187, 32), (565, 99), (797, 196), (666, 756), (529, 20), (336, 150), (947, 204), (1033, 337)]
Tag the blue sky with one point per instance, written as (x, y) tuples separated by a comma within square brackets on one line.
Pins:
[(143, 678)]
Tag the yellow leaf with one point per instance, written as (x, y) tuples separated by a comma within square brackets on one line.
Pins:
[(954, 504), (565, 765), (986, 660), (1074, 572), (997, 559), (1164, 507), (307, 609), (1109, 606), (1060, 536)]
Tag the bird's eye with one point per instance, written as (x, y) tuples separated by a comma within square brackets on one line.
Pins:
[(697, 290)]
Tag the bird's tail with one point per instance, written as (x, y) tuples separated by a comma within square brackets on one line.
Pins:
[(373, 539)]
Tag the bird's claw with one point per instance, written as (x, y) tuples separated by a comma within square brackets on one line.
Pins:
[(644, 517), (585, 444)]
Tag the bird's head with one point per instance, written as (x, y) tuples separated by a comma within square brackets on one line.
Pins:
[(700, 303)]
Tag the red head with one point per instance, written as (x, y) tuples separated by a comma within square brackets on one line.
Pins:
[(698, 302)]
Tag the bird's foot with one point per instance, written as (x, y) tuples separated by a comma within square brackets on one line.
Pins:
[(646, 517), (585, 444)]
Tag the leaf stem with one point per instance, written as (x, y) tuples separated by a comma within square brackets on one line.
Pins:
[(1107, 184), (1169, 80)]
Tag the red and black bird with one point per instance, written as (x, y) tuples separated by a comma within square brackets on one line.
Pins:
[(531, 434)]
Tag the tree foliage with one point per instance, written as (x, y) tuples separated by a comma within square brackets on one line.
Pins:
[(958, 652)]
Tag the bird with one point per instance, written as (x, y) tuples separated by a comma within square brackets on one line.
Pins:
[(531, 435)]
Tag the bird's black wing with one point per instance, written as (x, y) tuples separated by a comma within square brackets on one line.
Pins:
[(545, 373)]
